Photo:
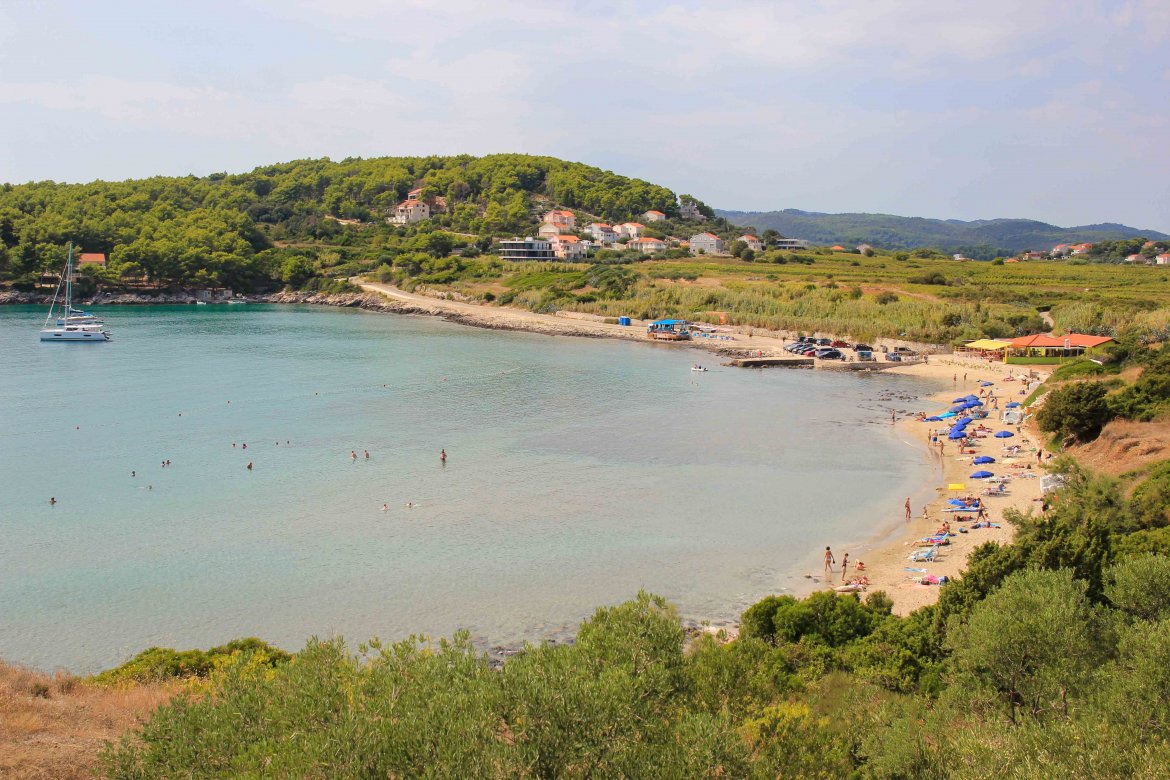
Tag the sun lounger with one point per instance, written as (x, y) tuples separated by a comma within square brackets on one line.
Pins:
[(925, 555)]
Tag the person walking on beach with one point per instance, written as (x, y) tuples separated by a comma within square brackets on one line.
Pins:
[(829, 561), (907, 507), (844, 565)]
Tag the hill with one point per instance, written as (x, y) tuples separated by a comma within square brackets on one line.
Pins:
[(981, 239), (250, 231)]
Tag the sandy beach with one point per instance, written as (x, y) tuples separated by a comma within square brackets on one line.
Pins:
[(887, 563), (886, 559)]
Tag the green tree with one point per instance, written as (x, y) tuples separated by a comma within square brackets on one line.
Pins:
[(1029, 646), (1078, 411)]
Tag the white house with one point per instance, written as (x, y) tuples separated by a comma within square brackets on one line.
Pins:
[(527, 248), (1162, 259), (647, 245), (706, 243), (863, 248), (654, 216), (1137, 259), (630, 229), (561, 217), (752, 242), (548, 229), (410, 211), (602, 232), (569, 247), (796, 243)]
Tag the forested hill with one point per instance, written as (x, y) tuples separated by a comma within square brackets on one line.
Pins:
[(983, 238), (250, 230)]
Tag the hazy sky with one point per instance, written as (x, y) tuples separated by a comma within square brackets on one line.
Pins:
[(1054, 110)]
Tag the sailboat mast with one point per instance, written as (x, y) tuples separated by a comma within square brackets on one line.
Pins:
[(69, 283)]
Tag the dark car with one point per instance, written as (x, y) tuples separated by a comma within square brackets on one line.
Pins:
[(824, 342), (829, 354), (905, 351), (862, 348)]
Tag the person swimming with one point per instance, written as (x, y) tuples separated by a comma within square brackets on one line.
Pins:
[(249, 465), (52, 501), (443, 456), (367, 452), (385, 507)]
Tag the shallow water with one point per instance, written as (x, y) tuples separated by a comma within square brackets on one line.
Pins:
[(579, 471)]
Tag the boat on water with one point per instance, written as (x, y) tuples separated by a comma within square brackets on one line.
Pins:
[(71, 325), (697, 367)]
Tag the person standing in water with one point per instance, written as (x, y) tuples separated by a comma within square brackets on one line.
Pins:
[(442, 456), (907, 507), (844, 565), (52, 501), (829, 561)]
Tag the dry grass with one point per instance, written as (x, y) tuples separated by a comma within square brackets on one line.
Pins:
[(1126, 446), (52, 726)]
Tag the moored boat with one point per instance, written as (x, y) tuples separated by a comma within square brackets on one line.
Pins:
[(71, 325)]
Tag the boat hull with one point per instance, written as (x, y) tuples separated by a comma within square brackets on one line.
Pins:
[(82, 336)]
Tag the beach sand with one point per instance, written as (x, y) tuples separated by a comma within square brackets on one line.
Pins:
[(886, 562)]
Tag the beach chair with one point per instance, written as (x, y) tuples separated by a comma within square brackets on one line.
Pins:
[(925, 555)]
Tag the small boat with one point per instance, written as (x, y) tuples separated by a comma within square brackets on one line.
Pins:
[(697, 367), (72, 325), (200, 303), (237, 301)]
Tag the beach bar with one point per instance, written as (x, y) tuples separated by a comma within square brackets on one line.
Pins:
[(1038, 348), (669, 330)]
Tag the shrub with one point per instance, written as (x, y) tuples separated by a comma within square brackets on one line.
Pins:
[(1078, 411), (1140, 586)]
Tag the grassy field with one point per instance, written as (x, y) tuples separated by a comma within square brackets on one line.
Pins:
[(937, 300)]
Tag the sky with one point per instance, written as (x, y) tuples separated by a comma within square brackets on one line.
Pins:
[(1050, 110)]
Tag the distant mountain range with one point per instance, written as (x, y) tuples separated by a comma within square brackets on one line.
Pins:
[(982, 238)]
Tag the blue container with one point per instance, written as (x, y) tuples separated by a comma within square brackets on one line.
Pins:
[(623, 320)]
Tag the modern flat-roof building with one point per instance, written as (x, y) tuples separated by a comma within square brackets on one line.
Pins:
[(527, 248)]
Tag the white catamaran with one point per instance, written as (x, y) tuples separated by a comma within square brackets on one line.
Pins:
[(72, 325)]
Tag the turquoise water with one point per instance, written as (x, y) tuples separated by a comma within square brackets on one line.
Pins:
[(579, 471)]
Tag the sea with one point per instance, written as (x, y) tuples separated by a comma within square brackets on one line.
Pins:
[(578, 472)]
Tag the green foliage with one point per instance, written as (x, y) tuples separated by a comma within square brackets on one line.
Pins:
[(1077, 410), (161, 663), (1140, 587), (1030, 645)]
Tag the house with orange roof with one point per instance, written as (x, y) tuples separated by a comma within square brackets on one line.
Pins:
[(410, 211), (1136, 259), (752, 242), (630, 229), (706, 244), (1039, 348), (414, 194), (561, 217), (647, 245), (569, 247), (837, 248), (1162, 259), (602, 232), (653, 216), (1081, 249), (97, 259)]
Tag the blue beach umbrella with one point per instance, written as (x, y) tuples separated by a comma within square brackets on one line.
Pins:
[(1013, 405), (957, 435), (956, 502), (1004, 435), (973, 404), (959, 400), (958, 409), (960, 424), (945, 415), (982, 475), (986, 384), (970, 398), (933, 419), (984, 459)]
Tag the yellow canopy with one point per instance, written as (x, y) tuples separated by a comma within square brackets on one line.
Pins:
[(956, 486), (989, 344)]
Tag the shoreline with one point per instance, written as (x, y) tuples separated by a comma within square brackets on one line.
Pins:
[(887, 558), (884, 551)]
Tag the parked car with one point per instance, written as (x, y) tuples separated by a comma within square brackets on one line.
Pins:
[(829, 354), (865, 355), (808, 352), (824, 342), (862, 348), (838, 343), (905, 351)]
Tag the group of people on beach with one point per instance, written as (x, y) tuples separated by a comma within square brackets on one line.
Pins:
[(830, 561)]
